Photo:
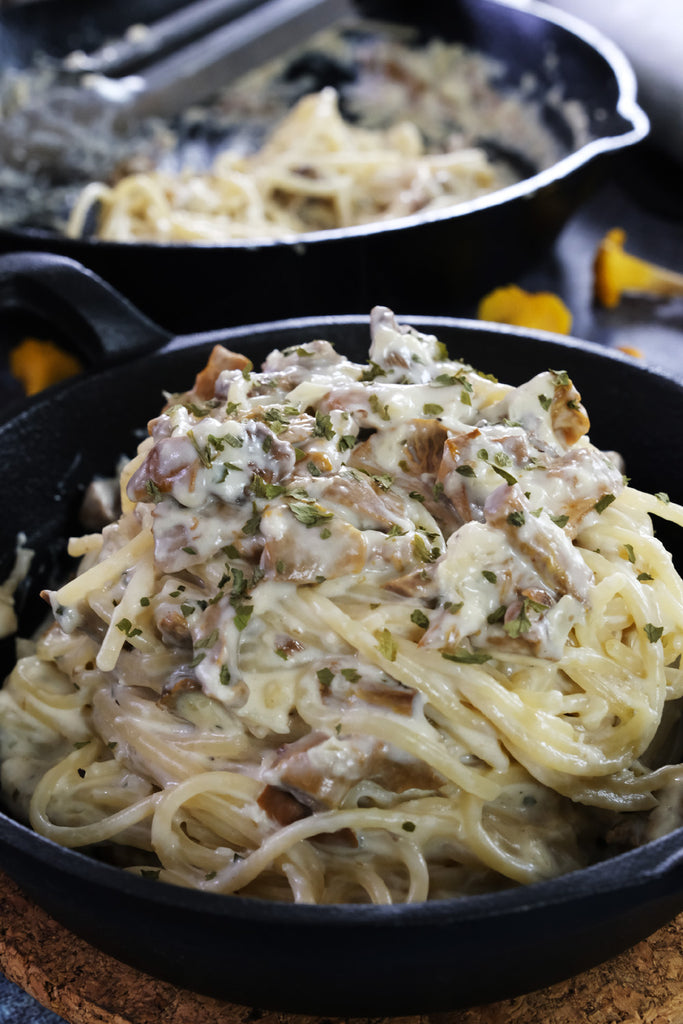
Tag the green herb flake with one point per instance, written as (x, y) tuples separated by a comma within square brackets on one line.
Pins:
[(653, 633), (422, 551), (187, 609), (242, 616), (644, 577), (198, 659), (154, 492), (630, 553), (323, 426), (189, 550), (516, 518), (408, 826), (373, 371), (346, 442), (224, 675), (380, 410), (387, 645), (663, 497), (489, 576), (416, 496), (507, 477), (253, 523), (496, 616), (325, 534), (545, 402), (676, 663), (560, 378), (604, 502), (351, 674), (430, 409), (325, 676), (313, 469), (208, 641), (126, 626), (419, 618), (309, 515), (144, 601), (465, 471), (465, 657), (560, 521)]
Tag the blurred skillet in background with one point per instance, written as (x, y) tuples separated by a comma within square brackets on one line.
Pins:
[(431, 260), (343, 959)]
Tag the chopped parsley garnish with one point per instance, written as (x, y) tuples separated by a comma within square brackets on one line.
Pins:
[(630, 553), (430, 409), (419, 618), (387, 645), (644, 577), (545, 402), (560, 521), (465, 657), (380, 410), (373, 371), (126, 626), (323, 425), (663, 497), (242, 616), (604, 502), (345, 442), (352, 674), (309, 515), (408, 826), (253, 523), (507, 477), (489, 576), (653, 633), (465, 471), (325, 676), (516, 518), (422, 551), (261, 489), (224, 675)]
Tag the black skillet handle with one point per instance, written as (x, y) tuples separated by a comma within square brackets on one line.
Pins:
[(94, 320)]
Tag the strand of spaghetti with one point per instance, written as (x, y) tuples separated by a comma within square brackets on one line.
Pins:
[(656, 505), (418, 669), (125, 615), (81, 835), (106, 571)]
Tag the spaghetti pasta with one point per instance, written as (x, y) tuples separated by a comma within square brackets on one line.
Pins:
[(316, 171), (362, 633)]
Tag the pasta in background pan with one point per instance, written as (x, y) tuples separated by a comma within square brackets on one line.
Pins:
[(362, 633)]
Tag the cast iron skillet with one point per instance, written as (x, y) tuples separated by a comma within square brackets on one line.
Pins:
[(335, 960), (438, 261)]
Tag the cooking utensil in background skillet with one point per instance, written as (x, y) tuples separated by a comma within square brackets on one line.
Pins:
[(393, 959), (440, 260)]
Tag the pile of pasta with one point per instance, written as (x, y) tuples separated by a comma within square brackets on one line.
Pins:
[(380, 632), (316, 171)]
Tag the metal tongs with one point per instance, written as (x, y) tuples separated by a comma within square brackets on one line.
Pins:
[(189, 55)]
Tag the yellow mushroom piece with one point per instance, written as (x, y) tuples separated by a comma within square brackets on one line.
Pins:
[(38, 364), (619, 273), (510, 304)]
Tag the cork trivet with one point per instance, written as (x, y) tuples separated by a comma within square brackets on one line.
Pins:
[(84, 986)]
